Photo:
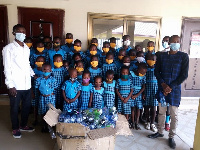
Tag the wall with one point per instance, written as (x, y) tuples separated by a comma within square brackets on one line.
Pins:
[(76, 12)]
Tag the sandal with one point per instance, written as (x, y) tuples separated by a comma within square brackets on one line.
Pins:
[(137, 127)]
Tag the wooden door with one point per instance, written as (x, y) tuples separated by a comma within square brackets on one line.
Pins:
[(33, 18), (190, 43), (3, 42)]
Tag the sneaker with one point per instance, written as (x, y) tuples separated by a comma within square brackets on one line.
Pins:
[(154, 128), (27, 129), (137, 127), (147, 126), (16, 134), (167, 127), (172, 143)]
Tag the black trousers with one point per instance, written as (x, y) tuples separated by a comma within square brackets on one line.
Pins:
[(25, 97)]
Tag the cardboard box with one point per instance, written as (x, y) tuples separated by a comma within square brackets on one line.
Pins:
[(74, 136)]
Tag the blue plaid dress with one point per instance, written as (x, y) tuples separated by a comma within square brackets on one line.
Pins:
[(34, 57), (109, 94), (97, 99), (94, 73), (46, 87), (124, 88), (138, 81), (85, 96), (59, 74), (107, 67), (79, 78), (71, 53), (151, 88), (71, 90), (67, 49), (102, 60)]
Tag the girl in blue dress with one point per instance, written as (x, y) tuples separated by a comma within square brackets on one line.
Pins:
[(138, 78), (109, 89), (86, 88), (124, 91), (80, 68), (96, 97), (105, 48), (92, 52)]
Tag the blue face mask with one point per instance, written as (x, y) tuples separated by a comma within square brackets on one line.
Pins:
[(20, 36), (165, 44), (175, 46), (46, 73), (125, 76)]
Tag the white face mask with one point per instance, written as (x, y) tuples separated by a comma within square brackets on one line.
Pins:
[(127, 42), (165, 45), (126, 64), (20, 36), (140, 59), (73, 79)]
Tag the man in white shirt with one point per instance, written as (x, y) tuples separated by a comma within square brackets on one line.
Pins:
[(18, 74)]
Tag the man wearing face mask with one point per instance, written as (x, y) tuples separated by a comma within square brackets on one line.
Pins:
[(126, 43), (18, 74), (171, 70)]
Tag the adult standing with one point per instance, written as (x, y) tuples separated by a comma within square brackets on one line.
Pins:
[(18, 74), (171, 70)]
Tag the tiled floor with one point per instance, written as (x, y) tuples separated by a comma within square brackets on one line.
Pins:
[(41, 141)]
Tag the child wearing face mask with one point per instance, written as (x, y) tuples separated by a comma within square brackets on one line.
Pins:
[(80, 68), (126, 43), (151, 88), (66, 65), (94, 69), (56, 50), (97, 92), (95, 42), (119, 59), (47, 44), (109, 89), (150, 48), (39, 52), (139, 79), (124, 90), (86, 88), (29, 42), (139, 59), (126, 61), (71, 91), (93, 51), (132, 55), (105, 48), (68, 47), (59, 73)]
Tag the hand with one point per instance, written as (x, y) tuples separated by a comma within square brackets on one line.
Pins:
[(166, 88), (165, 94), (67, 100), (122, 99), (134, 96), (143, 97), (13, 92), (126, 100), (35, 77)]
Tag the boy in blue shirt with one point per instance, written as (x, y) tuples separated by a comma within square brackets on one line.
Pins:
[(68, 47), (47, 43), (95, 42), (126, 43)]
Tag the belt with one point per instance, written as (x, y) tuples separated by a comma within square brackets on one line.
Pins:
[(48, 95)]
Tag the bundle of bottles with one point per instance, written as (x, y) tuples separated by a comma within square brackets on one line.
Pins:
[(92, 117)]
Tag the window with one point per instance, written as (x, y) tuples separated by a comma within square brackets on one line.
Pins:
[(141, 29)]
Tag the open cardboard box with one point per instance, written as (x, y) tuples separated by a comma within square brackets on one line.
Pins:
[(74, 136)]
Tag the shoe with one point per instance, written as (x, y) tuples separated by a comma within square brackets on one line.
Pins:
[(147, 126), (156, 135), (27, 129), (172, 143), (154, 128), (167, 127), (137, 127), (16, 134)]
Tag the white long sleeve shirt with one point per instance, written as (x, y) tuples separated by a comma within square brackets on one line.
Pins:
[(17, 67)]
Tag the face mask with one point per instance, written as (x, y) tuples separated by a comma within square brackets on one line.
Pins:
[(93, 52), (127, 42), (126, 64), (120, 57), (140, 59), (40, 49), (175, 46), (141, 75), (151, 62), (79, 69), (94, 63), (125, 76), (39, 64), (86, 80), (109, 61), (112, 45), (95, 44), (77, 48), (46, 73), (150, 48), (132, 57), (56, 44), (73, 79), (105, 50), (20, 36), (165, 44), (29, 44), (69, 41), (58, 64), (109, 79)]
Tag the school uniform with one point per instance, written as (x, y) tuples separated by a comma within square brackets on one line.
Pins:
[(46, 88), (32, 51), (124, 88), (107, 67), (109, 94), (79, 78), (98, 52), (127, 50), (102, 60), (94, 73), (145, 53), (85, 96), (67, 49), (71, 53), (97, 99), (71, 90), (34, 57), (138, 81)]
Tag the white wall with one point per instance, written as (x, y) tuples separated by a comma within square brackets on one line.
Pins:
[(171, 12)]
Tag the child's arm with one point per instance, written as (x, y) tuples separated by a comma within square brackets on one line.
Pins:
[(90, 102), (129, 96), (64, 96), (73, 99), (136, 95), (117, 91)]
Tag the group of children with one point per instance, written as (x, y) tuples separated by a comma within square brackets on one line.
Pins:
[(69, 78)]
